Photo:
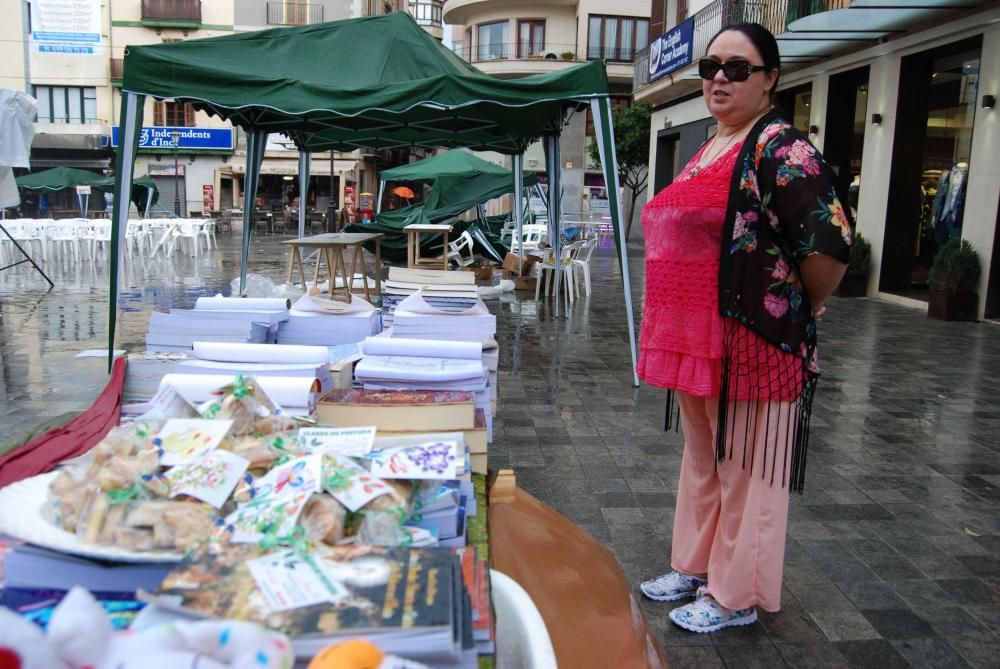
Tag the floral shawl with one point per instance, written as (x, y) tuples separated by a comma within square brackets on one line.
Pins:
[(782, 207)]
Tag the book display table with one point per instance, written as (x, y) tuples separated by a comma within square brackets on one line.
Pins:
[(413, 259), (331, 247)]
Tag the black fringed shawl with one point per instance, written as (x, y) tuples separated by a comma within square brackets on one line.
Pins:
[(782, 207)]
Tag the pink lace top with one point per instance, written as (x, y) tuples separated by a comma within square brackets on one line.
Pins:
[(681, 337)]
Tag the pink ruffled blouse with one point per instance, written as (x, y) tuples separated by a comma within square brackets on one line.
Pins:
[(681, 336)]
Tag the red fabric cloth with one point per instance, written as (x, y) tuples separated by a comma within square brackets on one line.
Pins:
[(680, 346), (75, 438)]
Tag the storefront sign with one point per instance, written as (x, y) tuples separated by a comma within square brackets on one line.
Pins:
[(165, 171), (163, 137), (66, 26), (672, 51)]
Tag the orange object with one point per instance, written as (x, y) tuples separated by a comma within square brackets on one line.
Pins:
[(353, 654), (404, 192)]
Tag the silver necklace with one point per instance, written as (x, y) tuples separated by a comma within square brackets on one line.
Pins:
[(698, 168)]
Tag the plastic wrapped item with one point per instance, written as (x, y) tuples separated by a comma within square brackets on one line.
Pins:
[(259, 285)]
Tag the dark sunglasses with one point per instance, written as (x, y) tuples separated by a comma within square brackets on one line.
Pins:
[(734, 70)]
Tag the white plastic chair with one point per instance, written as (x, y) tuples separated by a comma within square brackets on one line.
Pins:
[(531, 238), (100, 237), (582, 261), (523, 641), (457, 249), (208, 232), (565, 265), (64, 237), (186, 229)]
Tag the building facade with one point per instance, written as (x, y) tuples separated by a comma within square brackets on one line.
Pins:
[(515, 39), (69, 55), (902, 103)]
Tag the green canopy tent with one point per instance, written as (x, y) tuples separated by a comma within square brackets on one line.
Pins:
[(458, 181), (376, 82), (144, 191)]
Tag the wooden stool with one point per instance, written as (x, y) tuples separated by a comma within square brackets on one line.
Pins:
[(413, 259)]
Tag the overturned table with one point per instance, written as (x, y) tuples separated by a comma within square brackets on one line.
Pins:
[(331, 247)]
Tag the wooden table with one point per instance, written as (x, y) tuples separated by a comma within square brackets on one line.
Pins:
[(331, 247), (413, 259)]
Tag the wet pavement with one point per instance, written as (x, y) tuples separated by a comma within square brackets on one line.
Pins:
[(893, 556)]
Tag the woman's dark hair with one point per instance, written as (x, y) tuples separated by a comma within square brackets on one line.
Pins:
[(762, 40)]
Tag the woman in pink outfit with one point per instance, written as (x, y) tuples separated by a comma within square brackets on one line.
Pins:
[(742, 251)]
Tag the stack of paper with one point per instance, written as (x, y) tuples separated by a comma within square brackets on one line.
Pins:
[(217, 319), (211, 358), (416, 318), (318, 321), (144, 371), (448, 291)]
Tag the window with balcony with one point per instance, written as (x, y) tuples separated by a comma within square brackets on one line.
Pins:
[(492, 42), (616, 37), (186, 11), (173, 114), (66, 104), (427, 12), (282, 13), (530, 37)]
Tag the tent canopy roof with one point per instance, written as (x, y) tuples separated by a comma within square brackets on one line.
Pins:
[(450, 163), (374, 82), (59, 178)]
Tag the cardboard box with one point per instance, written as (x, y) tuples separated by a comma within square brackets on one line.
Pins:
[(525, 283), (511, 263), (484, 273)]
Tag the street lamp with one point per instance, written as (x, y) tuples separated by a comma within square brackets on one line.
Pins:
[(176, 136)]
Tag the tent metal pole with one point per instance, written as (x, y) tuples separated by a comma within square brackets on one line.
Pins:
[(381, 192), (609, 161), (256, 141), (518, 207), (555, 228), (305, 163), (130, 122)]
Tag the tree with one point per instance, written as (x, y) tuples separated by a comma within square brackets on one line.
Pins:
[(631, 126)]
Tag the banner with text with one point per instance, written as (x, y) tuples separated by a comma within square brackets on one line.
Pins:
[(168, 137), (66, 27), (672, 51)]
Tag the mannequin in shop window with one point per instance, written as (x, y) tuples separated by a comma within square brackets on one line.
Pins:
[(949, 203)]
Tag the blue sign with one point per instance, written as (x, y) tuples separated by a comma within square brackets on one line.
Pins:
[(164, 137), (672, 51)]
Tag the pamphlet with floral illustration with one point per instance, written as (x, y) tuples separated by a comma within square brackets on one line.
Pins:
[(432, 460), (276, 501), (183, 440), (211, 478), (291, 580)]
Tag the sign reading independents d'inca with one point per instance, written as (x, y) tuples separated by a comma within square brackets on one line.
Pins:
[(66, 26), (672, 51)]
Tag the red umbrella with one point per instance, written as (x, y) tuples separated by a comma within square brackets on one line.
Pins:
[(404, 192)]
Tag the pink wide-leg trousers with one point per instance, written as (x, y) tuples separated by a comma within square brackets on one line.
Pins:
[(730, 522)]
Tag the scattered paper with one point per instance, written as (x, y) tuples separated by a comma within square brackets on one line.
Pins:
[(183, 440), (355, 441), (290, 580), (971, 533), (211, 478), (432, 460), (99, 353)]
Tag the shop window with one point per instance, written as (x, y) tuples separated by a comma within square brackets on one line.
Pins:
[(796, 103), (173, 114), (616, 37), (492, 42), (66, 104)]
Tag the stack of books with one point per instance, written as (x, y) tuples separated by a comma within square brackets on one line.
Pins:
[(218, 319), (248, 360), (417, 414), (144, 371), (447, 291), (406, 364), (317, 321), (410, 602), (418, 317)]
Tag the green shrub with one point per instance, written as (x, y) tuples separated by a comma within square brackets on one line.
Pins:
[(861, 257), (955, 267), (568, 55)]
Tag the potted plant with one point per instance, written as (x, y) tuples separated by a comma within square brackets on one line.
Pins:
[(568, 55), (953, 278), (855, 281)]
